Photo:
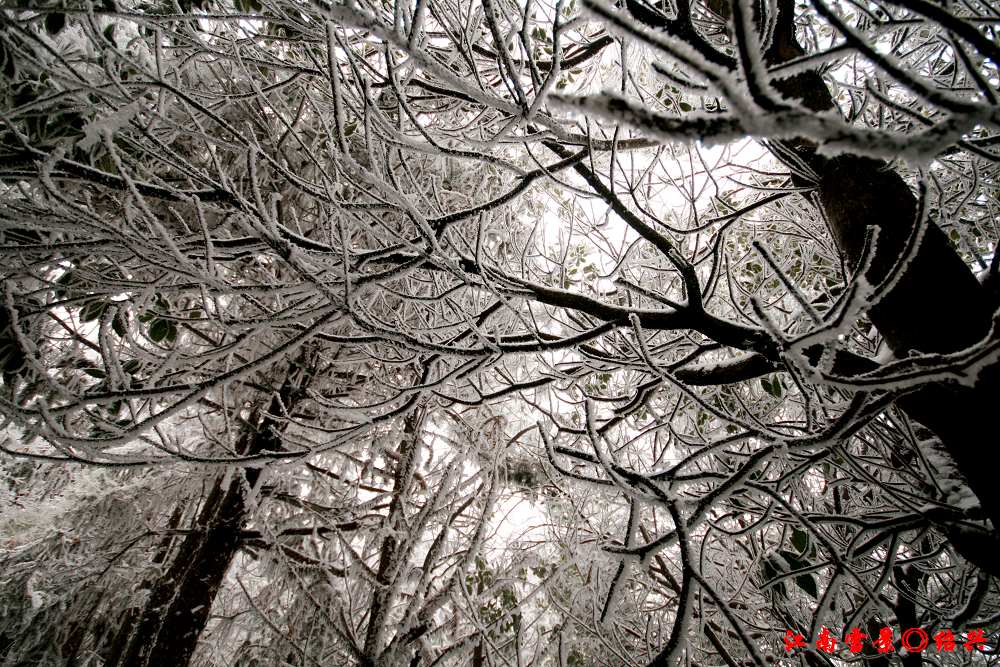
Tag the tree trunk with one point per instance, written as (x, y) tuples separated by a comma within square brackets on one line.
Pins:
[(181, 600), (937, 306), (391, 557)]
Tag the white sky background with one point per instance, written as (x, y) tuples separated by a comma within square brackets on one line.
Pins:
[(667, 201)]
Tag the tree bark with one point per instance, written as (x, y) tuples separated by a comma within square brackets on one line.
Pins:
[(390, 555), (937, 306), (180, 601)]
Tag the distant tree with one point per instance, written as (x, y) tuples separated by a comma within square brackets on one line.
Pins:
[(697, 280)]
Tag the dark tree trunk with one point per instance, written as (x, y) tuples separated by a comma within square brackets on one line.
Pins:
[(390, 555), (937, 306), (181, 600)]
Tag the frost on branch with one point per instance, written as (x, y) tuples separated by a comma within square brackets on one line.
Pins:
[(454, 333)]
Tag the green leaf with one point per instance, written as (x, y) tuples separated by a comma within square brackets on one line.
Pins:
[(92, 310), (36, 126), (770, 572), (800, 540), (66, 124), (9, 67), (55, 22), (119, 324), (162, 330), (806, 582), (63, 282), (11, 357), (772, 386)]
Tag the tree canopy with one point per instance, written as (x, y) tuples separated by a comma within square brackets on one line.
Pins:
[(498, 333)]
